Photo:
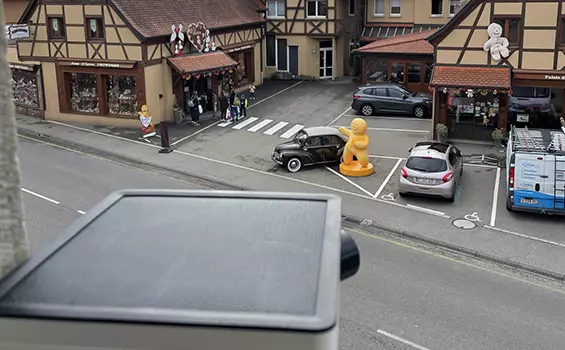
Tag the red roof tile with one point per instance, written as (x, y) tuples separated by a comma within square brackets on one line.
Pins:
[(471, 77), (202, 62), (154, 18), (409, 44)]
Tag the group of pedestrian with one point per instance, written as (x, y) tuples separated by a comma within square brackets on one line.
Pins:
[(232, 106)]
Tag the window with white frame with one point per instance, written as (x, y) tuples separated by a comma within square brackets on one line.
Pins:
[(395, 7), (437, 7), (379, 7), (317, 8), (455, 6), (276, 8)]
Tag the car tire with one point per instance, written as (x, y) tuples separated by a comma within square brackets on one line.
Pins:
[(293, 165), (402, 194), (452, 198), (420, 111), (508, 206), (461, 172), (367, 110)]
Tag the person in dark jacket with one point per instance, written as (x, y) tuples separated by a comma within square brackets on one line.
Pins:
[(224, 104), (243, 102), (232, 97), (194, 112)]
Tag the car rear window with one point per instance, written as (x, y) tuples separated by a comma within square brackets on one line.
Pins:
[(427, 165)]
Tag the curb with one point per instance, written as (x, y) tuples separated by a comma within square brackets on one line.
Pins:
[(346, 218), (442, 244)]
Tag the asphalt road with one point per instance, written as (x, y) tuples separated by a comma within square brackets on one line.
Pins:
[(403, 297)]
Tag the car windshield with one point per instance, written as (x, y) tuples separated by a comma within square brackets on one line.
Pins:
[(426, 164), (406, 92), (301, 136)]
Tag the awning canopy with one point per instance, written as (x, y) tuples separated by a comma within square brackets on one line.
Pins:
[(210, 62), (415, 44), (383, 32), (471, 77)]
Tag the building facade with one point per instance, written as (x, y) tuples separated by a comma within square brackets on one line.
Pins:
[(101, 60), (500, 62)]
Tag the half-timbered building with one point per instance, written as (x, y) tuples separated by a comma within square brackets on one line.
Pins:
[(500, 62), (101, 60)]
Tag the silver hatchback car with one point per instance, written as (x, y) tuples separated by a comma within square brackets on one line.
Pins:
[(432, 169)]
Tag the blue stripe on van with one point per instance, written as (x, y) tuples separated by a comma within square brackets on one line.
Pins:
[(545, 201)]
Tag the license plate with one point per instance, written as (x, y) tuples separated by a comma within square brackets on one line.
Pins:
[(524, 118), (424, 180), (528, 201)]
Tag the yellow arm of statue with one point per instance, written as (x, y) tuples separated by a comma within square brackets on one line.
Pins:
[(345, 131), (360, 145)]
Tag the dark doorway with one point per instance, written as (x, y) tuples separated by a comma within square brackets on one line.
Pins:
[(293, 59)]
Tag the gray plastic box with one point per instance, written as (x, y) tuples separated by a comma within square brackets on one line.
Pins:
[(190, 270)]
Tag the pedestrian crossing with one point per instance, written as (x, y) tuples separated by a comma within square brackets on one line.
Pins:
[(266, 126)]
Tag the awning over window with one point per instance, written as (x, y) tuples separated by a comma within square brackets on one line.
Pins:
[(414, 43), (374, 33), (210, 62), (471, 77)]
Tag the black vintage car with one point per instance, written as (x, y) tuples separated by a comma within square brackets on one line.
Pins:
[(310, 146)]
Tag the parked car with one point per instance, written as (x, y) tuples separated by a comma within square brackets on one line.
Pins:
[(391, 99), (432, 169), (310, 146)]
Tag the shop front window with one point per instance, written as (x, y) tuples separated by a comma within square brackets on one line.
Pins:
[(24, 89), (397, 72), (473, 115), (122, 95), (244, 69), (429, 70), (375, 70), (84, 93), (414, 74)]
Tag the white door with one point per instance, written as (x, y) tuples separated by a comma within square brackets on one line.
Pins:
[(326, 62)]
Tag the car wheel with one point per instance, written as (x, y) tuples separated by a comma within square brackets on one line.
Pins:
[(461, 172), (367, 110), (420, 111), (508, 206), (402, 194), (452, 198), (293, 165)]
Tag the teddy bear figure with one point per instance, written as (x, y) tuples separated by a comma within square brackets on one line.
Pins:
[(147, 128), (356, 146), (497, 45)]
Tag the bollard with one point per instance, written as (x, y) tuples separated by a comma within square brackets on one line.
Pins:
[(165, 146)]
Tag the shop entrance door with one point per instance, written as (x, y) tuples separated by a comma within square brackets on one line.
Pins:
[(326, 59)]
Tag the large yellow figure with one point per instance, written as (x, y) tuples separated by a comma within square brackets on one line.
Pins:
[(357, 143)]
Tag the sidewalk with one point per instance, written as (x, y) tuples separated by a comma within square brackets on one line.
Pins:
[(511, 250)]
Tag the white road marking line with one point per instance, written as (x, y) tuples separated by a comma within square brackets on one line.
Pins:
[(275, 94), (195, 133), (426, 210), (245, 123), (81, 212), (557, 244), (387, 179), (40, 196), (495, 198), (275, 128), (376, 118), (394, 130), (350, 182), (224, 124), (290, 132), (339, 116), (402, 340), (481, 165), (386, 157), (259, 126)]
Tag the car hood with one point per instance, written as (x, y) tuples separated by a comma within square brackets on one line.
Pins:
[(420, 96), (287, 146)]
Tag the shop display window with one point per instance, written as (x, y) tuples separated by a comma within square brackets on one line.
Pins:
[(376, 70), (243, 71), (397, 72), (24, 88), (121, 94), (84, 93), (414, 72)]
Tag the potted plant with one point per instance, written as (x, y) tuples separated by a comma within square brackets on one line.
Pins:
[(178, 113), (441, 132), (497, 136)]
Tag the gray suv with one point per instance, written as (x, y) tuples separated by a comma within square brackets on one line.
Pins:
[(391, 99)]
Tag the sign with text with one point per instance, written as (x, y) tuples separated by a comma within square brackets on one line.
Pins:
[(554, 77), (548, 76), (97, 64), (17, 31), (21, 67)]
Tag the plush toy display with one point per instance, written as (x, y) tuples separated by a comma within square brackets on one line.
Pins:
[(497, 45)]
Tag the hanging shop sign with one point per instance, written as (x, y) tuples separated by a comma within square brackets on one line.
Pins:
[(241, 48), (17, 31), (177, 40), (97, 64), (199, 37)]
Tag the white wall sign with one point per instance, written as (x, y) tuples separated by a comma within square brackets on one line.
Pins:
[(18, 31), (554, 77)]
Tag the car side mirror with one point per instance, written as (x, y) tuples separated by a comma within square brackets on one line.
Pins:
[(404, 97), (409, 150)]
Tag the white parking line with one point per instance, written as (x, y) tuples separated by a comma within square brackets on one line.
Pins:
[(260, 125), (195, 133), (402, 340), (275, 128), (81, 212), (339, 116), (290, 132), (394, 130), (426, 210), (557, 244), (387, 179), (40, 196), (388, 118), (495, 197), (275, 94), (245, 123), (350, 182), (481, 165), (386, 157)]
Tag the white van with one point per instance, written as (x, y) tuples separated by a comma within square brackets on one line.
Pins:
[(535, 170)]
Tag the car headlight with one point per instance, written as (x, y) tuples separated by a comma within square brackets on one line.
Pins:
[(515, 105)]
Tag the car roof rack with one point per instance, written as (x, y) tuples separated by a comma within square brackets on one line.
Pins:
[(538, 140)]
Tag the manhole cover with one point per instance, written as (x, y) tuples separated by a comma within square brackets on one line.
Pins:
[(464, 224)]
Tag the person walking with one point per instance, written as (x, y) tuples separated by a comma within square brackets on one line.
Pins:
[(194, 105), (232, 97), (224, 104), (214, 103), (252, 92), (235, 109), (243, 101)]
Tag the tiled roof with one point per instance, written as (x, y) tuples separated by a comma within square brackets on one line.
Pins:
[(202, 62), (471, 77), (154, 18), (374, 33), (407, 44)]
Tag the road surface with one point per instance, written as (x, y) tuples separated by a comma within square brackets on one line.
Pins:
[(404, 297)]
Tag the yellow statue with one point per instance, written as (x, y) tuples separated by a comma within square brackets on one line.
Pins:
[(147, 128), (357, 143)]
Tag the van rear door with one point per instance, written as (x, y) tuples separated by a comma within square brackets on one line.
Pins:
[(560, 182), (533, 188)]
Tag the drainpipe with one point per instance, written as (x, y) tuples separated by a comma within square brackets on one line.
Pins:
[(263, 33)]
